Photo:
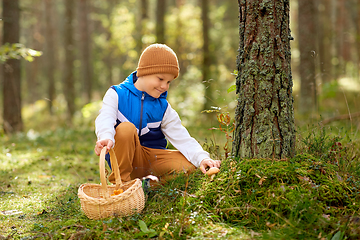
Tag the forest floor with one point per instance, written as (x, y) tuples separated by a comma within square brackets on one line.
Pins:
[(315, 195)]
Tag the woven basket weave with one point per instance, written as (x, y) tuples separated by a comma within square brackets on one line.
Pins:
[(97, 202)]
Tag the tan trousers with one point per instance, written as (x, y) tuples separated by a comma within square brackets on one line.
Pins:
[(136, 161)]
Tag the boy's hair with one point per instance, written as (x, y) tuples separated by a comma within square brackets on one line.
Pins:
[(158, 58)]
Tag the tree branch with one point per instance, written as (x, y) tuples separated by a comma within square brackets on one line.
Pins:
[(341, 117)]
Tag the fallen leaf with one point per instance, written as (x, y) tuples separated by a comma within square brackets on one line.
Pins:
[(43, 212), (262, 180), (104, 227), (44, 176), (268, 224)]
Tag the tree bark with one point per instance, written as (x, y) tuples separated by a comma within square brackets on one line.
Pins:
[(68, 77), (160, 21), (307, 47), (264, 115), (11, 72)]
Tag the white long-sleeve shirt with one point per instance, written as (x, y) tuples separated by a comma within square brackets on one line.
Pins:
[(171, 127)]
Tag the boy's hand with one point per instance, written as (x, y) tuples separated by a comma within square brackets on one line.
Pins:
[(207, 162), (101, 144)]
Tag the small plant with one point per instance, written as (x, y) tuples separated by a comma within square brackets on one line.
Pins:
[(226, 125), (145, 231), (332, 149), (317, 142)]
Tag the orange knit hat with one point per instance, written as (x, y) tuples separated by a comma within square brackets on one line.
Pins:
[(158, 58)]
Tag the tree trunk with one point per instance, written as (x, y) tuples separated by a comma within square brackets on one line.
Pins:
[(85, 50), (357, 24), (337, 37), (206, 55), (144, 7), (68, 77), (11, 72), (33, 69), (264, 116), (109, 58), (142, 18), (179, 36), (346, 45), (307, 47), (50, 62), (160, 21), (324, 40), (180, 45)]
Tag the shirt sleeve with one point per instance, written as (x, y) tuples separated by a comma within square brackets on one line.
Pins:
[(106, 120), (180, 138)]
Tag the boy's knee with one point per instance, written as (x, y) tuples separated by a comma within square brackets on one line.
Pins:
[(126, 128)]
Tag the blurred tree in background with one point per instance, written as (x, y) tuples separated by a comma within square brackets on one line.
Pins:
[(85, 50), (50, 51), (101, 45), (308, 50), (12, 120), (160, 21), (68, 77)]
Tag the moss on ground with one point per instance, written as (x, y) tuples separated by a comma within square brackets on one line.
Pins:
[(315, 195), (303, 197)]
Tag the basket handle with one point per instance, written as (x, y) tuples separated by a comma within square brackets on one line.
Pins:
[(115, 168)]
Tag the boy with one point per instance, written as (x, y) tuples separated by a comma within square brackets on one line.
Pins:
[(136, 120)]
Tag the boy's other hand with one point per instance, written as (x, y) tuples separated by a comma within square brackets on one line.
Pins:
[(101, 144), (207, 162)]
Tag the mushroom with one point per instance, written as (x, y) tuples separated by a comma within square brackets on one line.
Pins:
[(212, 171)]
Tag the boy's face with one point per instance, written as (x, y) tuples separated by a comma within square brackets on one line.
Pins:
[(154, 84)]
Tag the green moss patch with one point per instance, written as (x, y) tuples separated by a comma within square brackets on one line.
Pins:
[(303, 196)]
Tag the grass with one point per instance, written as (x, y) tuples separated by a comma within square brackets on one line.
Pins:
[(314, 195), (41, 177)]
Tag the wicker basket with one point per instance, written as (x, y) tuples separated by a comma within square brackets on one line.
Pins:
[(97, 202)]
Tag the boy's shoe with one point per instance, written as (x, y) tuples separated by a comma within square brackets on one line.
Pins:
[(145, 182)]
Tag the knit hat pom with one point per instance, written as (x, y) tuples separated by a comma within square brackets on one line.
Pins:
[(158, 58)]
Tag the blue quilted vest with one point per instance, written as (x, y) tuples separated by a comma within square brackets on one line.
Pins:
[(143, 110)]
